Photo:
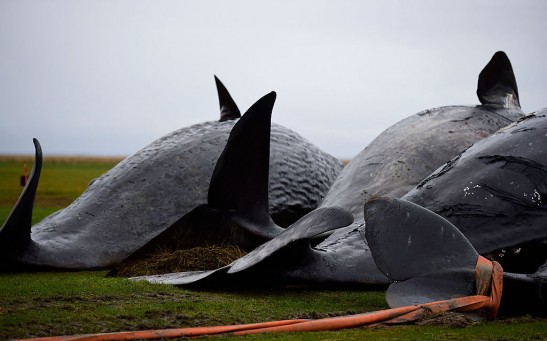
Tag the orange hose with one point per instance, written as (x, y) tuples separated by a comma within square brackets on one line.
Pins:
[(336, 323), (182, 332), (488, 277), (165, 333)]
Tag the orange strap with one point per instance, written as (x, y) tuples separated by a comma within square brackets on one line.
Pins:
[(488, 278)]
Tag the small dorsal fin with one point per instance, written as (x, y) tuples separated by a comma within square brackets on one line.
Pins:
[(228, 108), (15, 232), (497, 84), (240, 179)]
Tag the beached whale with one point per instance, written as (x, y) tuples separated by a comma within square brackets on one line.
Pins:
[(405, 153), (147, 192), (421, 143)]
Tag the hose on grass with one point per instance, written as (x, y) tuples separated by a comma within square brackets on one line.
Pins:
[(488, 279)]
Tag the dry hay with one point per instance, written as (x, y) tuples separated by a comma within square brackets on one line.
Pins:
[(167, 261)]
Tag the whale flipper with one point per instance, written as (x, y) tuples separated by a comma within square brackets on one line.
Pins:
[(311, 225), (15, 232), (228, 107), (497, 84), (292, 247), (430, 259)]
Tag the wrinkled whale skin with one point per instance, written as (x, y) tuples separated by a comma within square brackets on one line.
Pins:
[(145, 193)]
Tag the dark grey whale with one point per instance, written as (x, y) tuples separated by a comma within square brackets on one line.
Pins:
[(496, 194), (405, 153), (489, 200), (147, 192), (393, 163)]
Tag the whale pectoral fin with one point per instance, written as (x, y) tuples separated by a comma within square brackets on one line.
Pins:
[(284, 249), (301, 232), (497, 84), (201, 278), (409, 243), (240, 179), (228, 108), (15, 232)]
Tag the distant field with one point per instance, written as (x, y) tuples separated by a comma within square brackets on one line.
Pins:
[(62, 180)]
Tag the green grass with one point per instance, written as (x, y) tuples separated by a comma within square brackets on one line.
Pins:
[(62, 180), (47, 304), (62, 303), (71, 303)]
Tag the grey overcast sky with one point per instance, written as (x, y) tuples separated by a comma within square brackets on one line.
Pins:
[(109, 77)]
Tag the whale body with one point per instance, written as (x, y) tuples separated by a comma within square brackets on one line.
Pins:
[(148, 191), (392, 164)]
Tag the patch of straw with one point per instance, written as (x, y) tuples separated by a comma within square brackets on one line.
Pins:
[(167, 261)]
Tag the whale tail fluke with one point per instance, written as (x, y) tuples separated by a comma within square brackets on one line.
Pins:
[(429, 259), (15, 232), (240, 178), (497, 84), (228, 108)]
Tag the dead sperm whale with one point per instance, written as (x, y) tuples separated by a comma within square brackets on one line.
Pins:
[(147, 192), (404, 154), (344, 257), (496, 194)]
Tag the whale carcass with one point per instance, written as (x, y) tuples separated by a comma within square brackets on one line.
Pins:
[(147, 192)]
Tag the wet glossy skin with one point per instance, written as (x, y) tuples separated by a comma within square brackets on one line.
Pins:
[(496, 194), (391, 165), (344, 257), (407, 152)]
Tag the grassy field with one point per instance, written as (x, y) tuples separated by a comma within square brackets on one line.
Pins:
[(60, 303), (62, 180)]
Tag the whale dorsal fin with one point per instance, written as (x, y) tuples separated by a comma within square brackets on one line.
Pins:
[(240, 178), (497, 84), (15, 232), (228, 108)]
